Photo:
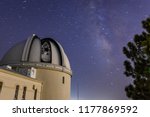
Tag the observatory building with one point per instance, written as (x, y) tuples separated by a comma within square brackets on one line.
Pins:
[(35, 69)]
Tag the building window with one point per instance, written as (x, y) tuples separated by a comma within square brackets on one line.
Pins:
[(24, 93), (16, 92), (1, 86), (63, 80), (35, 94)]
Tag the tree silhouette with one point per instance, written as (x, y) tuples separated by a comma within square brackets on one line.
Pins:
[(137, 65)]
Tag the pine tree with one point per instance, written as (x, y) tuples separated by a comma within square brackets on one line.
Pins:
[(137, 65)]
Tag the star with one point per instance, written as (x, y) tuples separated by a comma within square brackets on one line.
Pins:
[(92, 33)]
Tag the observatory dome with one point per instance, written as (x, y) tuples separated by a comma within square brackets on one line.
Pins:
[(37, 52)]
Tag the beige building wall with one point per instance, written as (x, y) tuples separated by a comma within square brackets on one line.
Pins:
[(56, 84), (9, 81)]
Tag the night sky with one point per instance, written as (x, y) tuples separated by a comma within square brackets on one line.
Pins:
[(92, 33)]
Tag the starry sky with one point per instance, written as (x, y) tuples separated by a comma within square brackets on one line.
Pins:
[(92, 33)]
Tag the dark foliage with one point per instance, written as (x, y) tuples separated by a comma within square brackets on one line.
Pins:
[(137, 65)]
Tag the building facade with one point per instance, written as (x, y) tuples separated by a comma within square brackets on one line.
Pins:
[(18, 87), (40, 61)]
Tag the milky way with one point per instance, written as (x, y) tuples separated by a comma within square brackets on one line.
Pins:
[(92, 33)]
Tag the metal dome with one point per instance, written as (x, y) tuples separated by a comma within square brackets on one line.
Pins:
[(38, 53)]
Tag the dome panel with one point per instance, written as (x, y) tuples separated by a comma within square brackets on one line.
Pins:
[(65, 60), (35, 51), (14, 54), (27, 47), (56, 56)]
